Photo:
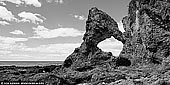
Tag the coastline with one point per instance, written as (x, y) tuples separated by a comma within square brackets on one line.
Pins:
[(29, 63)]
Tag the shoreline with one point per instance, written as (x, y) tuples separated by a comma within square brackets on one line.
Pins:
[(29, 63)]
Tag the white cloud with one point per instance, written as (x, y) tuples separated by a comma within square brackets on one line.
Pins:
[(42, 32), (2, 3), (35, 3), (12, 46), (5, 46), (17, 57), (42, 52), (64, 48), (20, 55), (4, 52), (31, 17), (51, 51), (10, 40), (120, 25), (49, 1), (55, 56), (12, 1), (6, 14), (57, 1), (113, 46), (4, 23), (17, 32), (80, 17), (9, 48)]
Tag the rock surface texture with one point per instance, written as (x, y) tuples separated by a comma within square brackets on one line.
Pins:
[(144, 59), (147, 31)]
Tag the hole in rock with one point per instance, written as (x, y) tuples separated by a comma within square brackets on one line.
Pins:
[(111, 45), (123, 62)]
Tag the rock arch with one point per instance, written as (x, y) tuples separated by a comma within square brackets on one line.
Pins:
[(99, 27)]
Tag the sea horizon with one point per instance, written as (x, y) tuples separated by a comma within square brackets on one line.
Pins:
[(29, 63)]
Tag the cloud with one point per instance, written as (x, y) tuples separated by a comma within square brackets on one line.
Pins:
[(17, 32), (10, 40), (6, 14), (9, 45), (20, 55), (61, 48), (12, 1), (35, 3), (4, 23), (12, 46), (80, 17), (49, 1), (31, 17), (120, 25), (2, 3), (4, 52), (42, 32), (42, 52), (53, 51), (111, 45), (17, 57), (57, 1)]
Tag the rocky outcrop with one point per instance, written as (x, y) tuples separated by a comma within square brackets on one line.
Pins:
[(30, 73), (99, 27), (147, 31), (88, 61)]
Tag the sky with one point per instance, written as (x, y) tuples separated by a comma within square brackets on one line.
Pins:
[(50, 30)]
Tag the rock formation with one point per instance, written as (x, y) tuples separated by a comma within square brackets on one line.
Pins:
[(99, 27), (87, 62), (147, 31)]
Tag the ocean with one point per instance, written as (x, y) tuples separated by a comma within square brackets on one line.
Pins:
[(30, 63)]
